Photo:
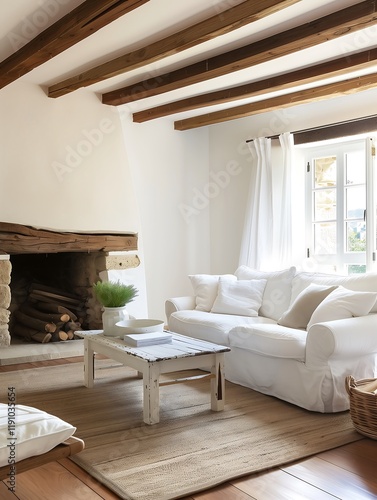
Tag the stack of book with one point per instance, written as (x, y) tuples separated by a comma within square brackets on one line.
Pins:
[(150, 338)]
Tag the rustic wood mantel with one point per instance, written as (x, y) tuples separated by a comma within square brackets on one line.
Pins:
[(20, 239)]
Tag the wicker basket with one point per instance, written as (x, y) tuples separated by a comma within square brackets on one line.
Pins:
[(363, 405)]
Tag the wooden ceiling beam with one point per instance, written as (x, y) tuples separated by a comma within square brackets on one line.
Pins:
[(80, 23), (320, 93), (245, 13), (321, 30), (311, 74)]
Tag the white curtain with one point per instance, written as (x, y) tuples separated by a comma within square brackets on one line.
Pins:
[(256, 247), (267, 236), (284, 239)]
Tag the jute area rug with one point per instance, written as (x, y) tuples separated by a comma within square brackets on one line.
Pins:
[(192, 448)]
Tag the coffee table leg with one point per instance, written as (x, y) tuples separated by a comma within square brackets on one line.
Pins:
[(151, 394), (88, 364), (218, 384)]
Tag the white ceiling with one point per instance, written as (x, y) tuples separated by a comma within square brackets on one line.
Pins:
[(23, 19)]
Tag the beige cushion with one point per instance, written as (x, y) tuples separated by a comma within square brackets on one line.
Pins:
[(205, 289), (357, 282), (343, 303), (300, 312), (242, 298)]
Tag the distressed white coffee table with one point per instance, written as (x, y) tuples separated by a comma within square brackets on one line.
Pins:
[(184, 353)]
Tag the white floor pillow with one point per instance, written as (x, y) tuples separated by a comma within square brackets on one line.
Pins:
[(27, 431)]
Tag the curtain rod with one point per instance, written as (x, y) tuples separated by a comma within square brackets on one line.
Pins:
[(366, 121)]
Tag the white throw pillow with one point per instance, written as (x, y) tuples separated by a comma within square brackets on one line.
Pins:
[(365, 282), (205, 289), (34, 432), (300, 312), (343, 303), (242, 298), (277, 294)]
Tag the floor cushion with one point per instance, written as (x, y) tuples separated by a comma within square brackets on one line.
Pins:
[(26, 431)]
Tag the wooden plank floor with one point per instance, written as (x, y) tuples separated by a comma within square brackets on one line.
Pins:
[(347, 473)]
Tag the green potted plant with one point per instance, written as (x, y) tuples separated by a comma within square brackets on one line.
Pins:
[(114, 297)]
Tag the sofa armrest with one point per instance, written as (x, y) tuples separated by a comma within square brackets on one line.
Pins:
[(343, 338), (179, 304)]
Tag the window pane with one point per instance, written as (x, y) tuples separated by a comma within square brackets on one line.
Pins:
[(325, 238), (356, 236), (325, 205), (325, 171), (357, 268), (355, 202), (355, 168)]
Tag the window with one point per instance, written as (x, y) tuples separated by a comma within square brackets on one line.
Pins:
[(337, 201)]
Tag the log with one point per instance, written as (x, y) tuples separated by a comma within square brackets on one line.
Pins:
[(31, 334), (56, 291), (48, 317), (41, 337), (55, 307), (56, 297), (71, 335), (73, 326), (64, 317), (35, 296), (59, 336), (35, 323)]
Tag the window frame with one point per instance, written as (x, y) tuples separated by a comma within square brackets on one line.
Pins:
[(341, 260)]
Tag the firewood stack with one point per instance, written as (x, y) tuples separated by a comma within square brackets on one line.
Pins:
[(48, 315)]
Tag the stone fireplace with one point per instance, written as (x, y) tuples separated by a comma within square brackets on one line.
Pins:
[(57, 264), (5, 299)]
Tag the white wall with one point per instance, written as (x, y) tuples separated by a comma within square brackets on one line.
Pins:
[(63, 162), (169, 169)]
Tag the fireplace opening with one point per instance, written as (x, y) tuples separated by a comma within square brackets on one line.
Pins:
[(52, 297)]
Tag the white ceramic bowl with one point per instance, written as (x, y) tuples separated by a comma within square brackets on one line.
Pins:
[(140, 326)]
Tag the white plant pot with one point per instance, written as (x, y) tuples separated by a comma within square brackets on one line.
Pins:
[(111, 316)]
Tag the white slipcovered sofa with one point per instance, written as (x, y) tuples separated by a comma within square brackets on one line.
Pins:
[(293, 335)]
